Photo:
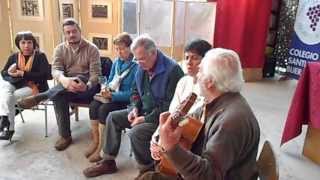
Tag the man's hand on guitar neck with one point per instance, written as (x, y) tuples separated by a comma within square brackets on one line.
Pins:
[(169, 136)]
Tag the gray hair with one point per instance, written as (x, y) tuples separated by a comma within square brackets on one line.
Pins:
[(144, 41), (224, 68)]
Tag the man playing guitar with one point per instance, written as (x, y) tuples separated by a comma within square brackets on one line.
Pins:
[(227, 145)]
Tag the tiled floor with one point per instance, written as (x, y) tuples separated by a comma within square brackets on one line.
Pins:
[(32, 156)]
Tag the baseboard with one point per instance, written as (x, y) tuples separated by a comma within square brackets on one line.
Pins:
[(252, 74)]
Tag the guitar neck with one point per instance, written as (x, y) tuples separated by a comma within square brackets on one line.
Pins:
[(183, 109)]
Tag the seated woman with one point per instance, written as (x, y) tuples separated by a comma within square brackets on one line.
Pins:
[(114, 96), (24, 74)]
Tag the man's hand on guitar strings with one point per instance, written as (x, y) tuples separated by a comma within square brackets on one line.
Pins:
[(169, 136)]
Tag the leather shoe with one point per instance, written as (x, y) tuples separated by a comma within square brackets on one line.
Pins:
[(143, 171), (63, 143), (30, 101), (100, 168)]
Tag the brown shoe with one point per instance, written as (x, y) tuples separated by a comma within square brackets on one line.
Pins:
[(31, 101), (63, 143), (100, 168), (143, 171)]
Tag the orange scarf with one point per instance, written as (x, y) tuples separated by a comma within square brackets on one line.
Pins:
[(22, 65)]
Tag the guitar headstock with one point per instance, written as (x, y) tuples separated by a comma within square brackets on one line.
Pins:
[(183, 109)]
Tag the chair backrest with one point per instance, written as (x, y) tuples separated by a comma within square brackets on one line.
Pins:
[(49, 74), (267, 164), (106, 64)]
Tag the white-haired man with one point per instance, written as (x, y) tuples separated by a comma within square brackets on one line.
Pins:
[(227, 145)]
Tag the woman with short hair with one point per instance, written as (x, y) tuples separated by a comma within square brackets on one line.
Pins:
[(114, 96), (25, 74)]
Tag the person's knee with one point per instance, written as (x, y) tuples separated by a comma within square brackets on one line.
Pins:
[(104, 110), (110, 119), (94, 105), (136, 135), (141, 133), (117, 119), (102, 116), (93, 110)]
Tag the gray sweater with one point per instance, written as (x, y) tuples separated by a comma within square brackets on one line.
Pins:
[(84, 61), (227, 146)]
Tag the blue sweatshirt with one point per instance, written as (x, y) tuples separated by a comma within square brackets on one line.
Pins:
[(124, 92)]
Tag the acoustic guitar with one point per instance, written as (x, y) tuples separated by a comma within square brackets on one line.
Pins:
[(191, 128)]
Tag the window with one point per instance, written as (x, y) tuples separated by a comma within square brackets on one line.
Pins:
[(130, 16)]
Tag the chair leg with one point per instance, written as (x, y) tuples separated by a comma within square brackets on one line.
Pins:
[(130, 154), (45, 120), (20, 112), (21, 116), (76, 112)]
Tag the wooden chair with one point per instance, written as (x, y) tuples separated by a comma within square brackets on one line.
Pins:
[(267, 165)]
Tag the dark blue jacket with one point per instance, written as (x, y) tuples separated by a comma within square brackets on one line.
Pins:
[(157, 98)]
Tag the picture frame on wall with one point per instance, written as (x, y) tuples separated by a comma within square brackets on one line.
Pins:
[(67, 10), (30, 9), (100, 11), (39, 38), (103, 43)]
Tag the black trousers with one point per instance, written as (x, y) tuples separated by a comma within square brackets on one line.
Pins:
[(61, 99), (99, 111)]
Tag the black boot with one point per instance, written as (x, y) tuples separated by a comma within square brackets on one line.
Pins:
[(4, 123), (6, 135)]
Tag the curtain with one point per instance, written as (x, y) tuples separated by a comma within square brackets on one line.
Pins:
[(242, 25)]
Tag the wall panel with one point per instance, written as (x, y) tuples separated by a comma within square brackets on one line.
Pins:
[(5, 33)]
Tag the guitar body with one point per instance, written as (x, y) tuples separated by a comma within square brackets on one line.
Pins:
[(190, 131)]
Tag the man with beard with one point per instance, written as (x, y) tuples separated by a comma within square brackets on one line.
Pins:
[(76, 67)]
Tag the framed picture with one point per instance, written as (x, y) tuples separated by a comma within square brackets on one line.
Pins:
[(103, 43), (39, 39), (100, 11), (129, 22), (30, 9), (67, 10)]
